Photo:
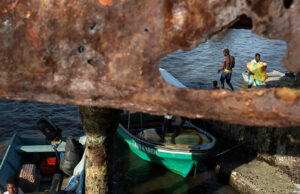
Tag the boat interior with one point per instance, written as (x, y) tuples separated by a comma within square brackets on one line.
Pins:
[(150, 127), (36, 165)]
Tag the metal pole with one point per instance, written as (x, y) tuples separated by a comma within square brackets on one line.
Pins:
[(99, 125)]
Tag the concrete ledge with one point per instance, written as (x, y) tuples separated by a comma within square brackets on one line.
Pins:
[(259, 177)]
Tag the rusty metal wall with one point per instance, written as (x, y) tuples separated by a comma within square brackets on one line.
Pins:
[(105, 53)]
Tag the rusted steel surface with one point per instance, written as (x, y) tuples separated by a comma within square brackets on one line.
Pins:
[(105, 53), (96, 179), (99, 126)]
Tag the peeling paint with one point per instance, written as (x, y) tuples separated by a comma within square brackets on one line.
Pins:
[(106, 2), (179, 16)]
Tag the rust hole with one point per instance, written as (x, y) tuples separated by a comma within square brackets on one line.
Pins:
[(90, 61), (287, 3), (92, 26), (243, 22), (80, 49), (197, 68)]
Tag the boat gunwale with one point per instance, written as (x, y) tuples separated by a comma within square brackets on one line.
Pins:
[(8, 150)]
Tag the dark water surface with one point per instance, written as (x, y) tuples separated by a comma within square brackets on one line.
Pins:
[(193, 68)]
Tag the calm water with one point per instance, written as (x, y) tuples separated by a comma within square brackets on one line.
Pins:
[(194, 68)]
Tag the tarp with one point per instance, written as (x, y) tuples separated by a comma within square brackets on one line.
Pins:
[(258, 71)]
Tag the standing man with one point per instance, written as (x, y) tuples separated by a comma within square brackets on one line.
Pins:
[(251, 76), (228, 64), (251, 79)]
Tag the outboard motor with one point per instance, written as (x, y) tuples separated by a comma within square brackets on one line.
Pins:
[(52, 133)]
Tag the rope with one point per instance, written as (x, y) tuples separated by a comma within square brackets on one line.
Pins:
[(195, 170), (141, 120), (128, 122), (227, 150), (230, 149)]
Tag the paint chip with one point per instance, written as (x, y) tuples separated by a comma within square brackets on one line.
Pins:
[(106, 2), (28, 15)]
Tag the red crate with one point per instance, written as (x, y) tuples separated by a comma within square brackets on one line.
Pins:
[(48, 165), (51, 160)]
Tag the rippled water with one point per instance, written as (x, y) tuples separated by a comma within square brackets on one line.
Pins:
[(21, 117), (194, 68)]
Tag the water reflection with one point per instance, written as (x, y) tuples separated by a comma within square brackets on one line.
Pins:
[(198, 67), (134, 175)]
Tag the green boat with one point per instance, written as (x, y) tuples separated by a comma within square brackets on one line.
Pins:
[(179, 160)]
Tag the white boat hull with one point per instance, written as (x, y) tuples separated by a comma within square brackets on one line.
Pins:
[(273, 77)]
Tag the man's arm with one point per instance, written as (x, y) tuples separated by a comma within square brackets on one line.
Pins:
[(223, 65)]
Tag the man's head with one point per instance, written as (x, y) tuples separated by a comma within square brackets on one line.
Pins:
[(257, 57), (12, 184), (226, 52)]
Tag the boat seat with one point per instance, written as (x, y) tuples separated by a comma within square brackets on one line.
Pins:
[(39, 148), (186, 138)]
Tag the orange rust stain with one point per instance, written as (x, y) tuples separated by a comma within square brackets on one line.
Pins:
[(275, 109), (288, 96), (70, 4), (33, 36), (28, 15), (251, 115), (106, 2), (13, 5), (260, 92), (218, 93), (2, 92), (270, 115), (119, 55), (248, 102)]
